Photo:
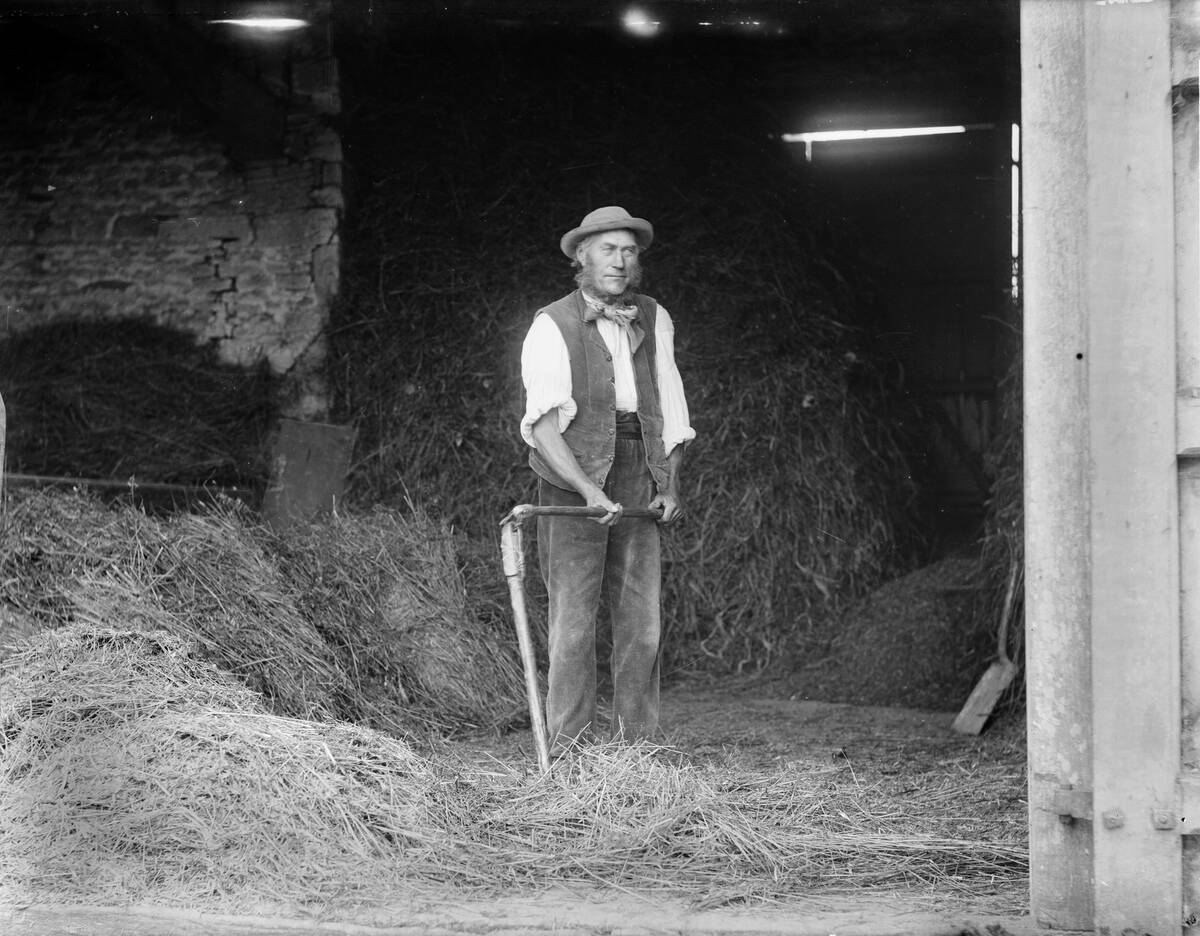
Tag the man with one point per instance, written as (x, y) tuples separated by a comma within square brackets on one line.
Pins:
[(607, 421)]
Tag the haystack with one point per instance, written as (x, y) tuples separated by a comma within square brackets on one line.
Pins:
[(797, 483), (913, 641)]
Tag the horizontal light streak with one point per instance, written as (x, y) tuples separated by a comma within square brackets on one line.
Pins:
[(264, 23), (821, 136)]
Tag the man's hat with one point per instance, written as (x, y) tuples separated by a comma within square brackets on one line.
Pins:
[(611, 218)]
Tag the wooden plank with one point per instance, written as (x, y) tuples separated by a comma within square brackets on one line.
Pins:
[(1057, 653), (308, 471), (1134, 544), (1187, 356)]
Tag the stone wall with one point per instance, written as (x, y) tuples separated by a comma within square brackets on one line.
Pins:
[(115, 206)]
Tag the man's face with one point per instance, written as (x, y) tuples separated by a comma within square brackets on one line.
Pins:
[(610, 264)]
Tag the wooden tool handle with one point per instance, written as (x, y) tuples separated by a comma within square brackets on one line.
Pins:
[(523, 512)]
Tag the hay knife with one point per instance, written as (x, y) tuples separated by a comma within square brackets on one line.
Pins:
[(512, 551)]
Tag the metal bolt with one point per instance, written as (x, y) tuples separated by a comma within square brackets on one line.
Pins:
[(1113, 818), (1163, 819)]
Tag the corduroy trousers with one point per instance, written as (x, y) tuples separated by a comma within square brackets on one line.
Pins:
[(580, 561)]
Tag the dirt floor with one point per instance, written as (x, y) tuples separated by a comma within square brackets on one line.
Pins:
[(976, 786)]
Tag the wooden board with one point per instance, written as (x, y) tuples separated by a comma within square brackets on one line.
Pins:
[(308, 471)]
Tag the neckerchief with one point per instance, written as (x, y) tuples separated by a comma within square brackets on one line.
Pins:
[(625, 316)]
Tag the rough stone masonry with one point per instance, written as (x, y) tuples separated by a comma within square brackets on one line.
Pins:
[(116, 206)]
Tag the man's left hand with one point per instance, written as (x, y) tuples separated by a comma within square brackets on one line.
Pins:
[(672, 509)]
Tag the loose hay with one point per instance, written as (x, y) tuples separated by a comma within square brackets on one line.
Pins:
[(361, 617), (135, 772), (203, 576), (387, 589)]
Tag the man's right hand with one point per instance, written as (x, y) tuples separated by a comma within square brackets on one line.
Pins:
[(556, 452), (598, 499)]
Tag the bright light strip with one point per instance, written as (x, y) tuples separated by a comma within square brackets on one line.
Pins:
[(820, 136), (265, 23), (825, 136), (638, 23), (1015, 210)]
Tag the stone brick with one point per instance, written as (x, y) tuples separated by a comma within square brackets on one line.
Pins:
[(329, 196), (331, 173), (327, 146), (326, 265), (294, 281), (296, 228), (204, 228), (314, 76)]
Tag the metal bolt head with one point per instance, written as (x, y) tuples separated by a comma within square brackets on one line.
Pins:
[(1162, 819), (1113, 818)]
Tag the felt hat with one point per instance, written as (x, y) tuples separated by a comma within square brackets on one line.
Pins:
[(610, 218)]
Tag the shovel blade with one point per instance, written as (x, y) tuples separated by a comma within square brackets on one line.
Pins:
[(983, 698)]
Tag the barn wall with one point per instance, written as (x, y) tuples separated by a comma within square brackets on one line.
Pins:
[(119, 207)]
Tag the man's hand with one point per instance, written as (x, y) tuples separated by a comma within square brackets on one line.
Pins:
[(554, 449), (672, 509), (668, 497), (597, 499)]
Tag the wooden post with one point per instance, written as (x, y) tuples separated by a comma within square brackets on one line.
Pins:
[(1057, 655), (1102, 502), (1130, 239)]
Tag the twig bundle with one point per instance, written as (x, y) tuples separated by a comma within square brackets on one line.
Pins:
[(134, 772), (129, 399)]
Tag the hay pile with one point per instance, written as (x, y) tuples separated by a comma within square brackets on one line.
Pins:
[(128, 399), (797, 485), (388, 592), (362, 618), (911, 642), (135, 772)]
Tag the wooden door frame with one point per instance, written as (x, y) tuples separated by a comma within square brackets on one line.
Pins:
[(1102, 462)]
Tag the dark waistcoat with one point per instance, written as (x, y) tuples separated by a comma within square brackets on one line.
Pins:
[(591, 436)]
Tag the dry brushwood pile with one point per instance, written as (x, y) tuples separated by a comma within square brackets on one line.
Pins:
[(363, 618), (797, 484), (134, 771), (131, 400)]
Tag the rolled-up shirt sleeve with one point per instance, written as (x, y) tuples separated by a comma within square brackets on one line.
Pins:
[(677, 424), (546, 373)]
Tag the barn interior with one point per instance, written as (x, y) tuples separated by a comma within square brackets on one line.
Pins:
[(848, 307), (344, 226)]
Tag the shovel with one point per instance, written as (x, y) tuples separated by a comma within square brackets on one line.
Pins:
[(999, 676), (512, 551)]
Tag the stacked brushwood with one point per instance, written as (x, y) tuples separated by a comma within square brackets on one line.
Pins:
[(797, 484), (363, 618), (132, 401), (133, 771)]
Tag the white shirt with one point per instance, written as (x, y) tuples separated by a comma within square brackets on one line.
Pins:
[(546, 372)]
